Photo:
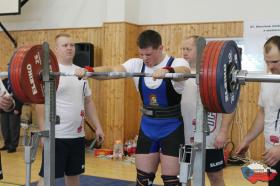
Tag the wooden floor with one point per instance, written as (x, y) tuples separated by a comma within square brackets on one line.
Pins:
[(14, 170)]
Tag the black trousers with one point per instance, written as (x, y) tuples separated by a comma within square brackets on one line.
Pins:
[(276, 181), (10, 126)]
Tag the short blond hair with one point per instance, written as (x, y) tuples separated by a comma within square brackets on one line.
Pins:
[(61, 35), (194, 37)]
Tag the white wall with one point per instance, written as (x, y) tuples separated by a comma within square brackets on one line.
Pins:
[(44, 14), (188, 11), (115, 10), (132, 11)]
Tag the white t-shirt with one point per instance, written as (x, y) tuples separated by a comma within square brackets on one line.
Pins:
[(135, 65), (70, 104), (269, 99), (188, 106), (3, 88)]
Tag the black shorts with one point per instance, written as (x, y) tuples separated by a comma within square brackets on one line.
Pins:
[(214, 160), (168, 145), (69, 157)]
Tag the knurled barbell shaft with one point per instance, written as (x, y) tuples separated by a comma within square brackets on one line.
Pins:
[(241, 75), (116, 74), (125, 74)]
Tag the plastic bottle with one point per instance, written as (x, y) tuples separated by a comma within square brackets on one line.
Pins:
[(118, 150)]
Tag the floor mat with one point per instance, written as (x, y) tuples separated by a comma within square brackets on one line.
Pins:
[(95, 181)]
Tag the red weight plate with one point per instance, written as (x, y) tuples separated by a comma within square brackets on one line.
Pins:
[(204, 75), (24, 72), (31, 67), (15, 75), (209, 78), (202, 72), (17, 68), (16, 90), (212, 78), (219, 108)]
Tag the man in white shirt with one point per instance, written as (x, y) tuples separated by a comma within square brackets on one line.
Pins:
[(218, 123), (73, 103), (267, 118)]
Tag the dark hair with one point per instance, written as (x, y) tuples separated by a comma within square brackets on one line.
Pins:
[(149, 38), (272, 40)]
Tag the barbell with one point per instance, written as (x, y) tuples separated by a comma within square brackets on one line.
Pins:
[(220, 75)]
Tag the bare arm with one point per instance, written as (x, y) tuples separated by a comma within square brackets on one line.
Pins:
[(116, 68), (182, 69), (222, 136), (92, 115), (256, 128), (254, 131), (40, 114)]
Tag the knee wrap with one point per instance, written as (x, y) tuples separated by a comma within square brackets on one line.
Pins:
[(170, 180), (144, 179)]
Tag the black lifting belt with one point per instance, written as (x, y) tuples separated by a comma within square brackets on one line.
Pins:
[(162, 112)]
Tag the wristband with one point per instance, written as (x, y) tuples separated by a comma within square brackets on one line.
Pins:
[(170, 69), (89, 68)]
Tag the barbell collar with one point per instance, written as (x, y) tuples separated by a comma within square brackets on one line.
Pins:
[(240, 76)]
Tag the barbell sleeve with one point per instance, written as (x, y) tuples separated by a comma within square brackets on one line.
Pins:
[(245, 76)]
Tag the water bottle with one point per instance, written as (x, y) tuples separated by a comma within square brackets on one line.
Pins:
[(118, 150)]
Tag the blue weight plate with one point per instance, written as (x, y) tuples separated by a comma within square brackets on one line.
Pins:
[(229, 57)]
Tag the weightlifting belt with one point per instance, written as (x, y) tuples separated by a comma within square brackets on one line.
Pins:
[(162, 112)]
